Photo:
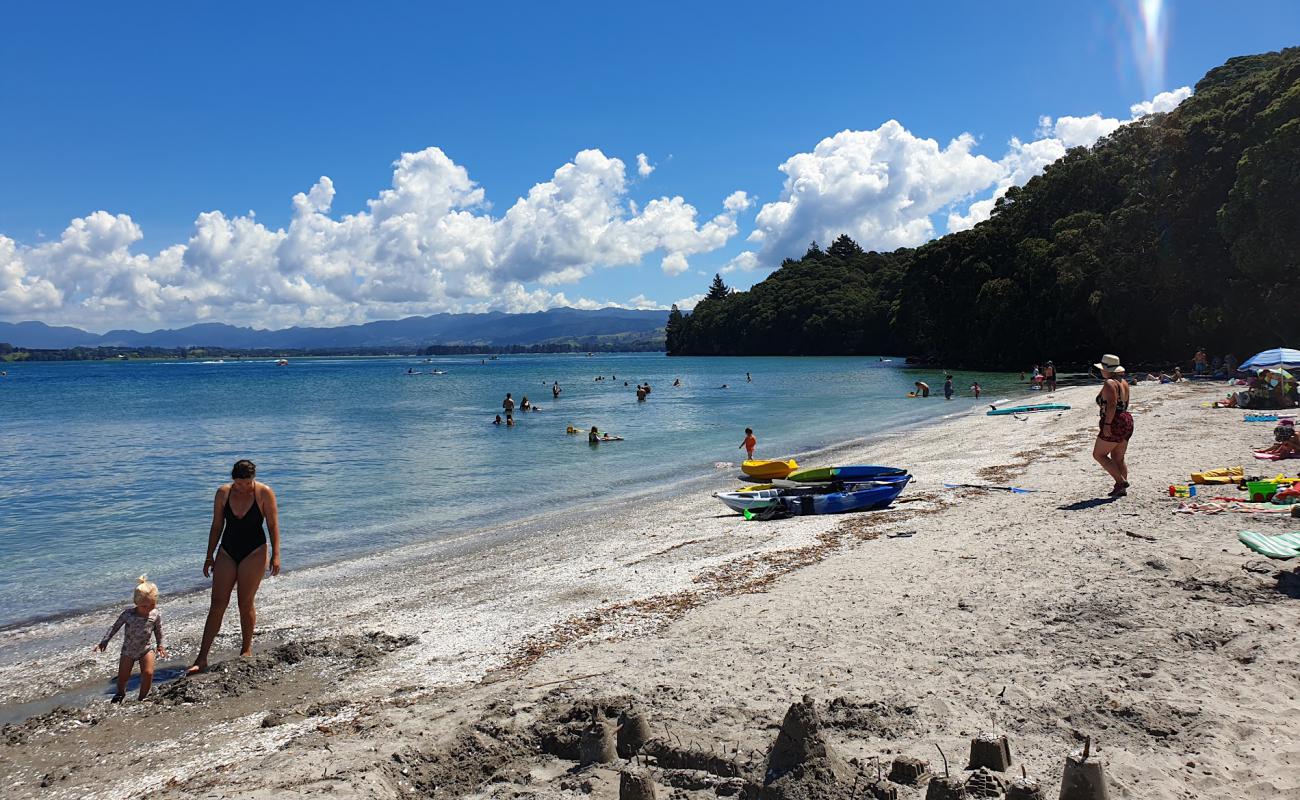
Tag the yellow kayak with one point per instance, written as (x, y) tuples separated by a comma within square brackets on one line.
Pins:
[(768, 470)]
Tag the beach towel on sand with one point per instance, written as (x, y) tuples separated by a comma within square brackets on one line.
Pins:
[(1262, 456), (1283, 545), (1223, 475)]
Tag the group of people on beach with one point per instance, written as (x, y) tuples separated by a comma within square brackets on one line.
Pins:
[(244, 513), (1042, 379), (1203, 366)]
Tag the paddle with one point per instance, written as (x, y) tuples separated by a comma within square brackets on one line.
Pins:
[(1012, 489)]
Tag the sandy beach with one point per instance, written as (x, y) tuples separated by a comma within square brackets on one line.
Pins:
[(467, 668)]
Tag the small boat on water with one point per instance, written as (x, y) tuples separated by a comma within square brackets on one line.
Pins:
[(284, 362), (767, 470)]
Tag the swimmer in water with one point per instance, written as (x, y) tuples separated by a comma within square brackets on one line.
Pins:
[(594, 435)]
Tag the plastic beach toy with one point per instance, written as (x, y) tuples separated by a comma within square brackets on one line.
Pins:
[(1261, 491)]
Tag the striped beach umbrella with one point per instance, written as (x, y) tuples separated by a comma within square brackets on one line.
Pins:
[(1277, 357)]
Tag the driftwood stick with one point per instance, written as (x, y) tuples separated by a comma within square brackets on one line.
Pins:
[(570, 680)]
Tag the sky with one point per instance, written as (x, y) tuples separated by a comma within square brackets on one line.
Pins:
[(273, 164)]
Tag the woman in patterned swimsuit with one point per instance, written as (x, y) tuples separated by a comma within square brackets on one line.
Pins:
[(1116, 426), (141, 620), (238, 511)]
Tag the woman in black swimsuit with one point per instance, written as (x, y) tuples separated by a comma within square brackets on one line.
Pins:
[(1116, 426), (238, 511)]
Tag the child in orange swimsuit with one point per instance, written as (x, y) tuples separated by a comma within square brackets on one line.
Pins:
[(750, 442)]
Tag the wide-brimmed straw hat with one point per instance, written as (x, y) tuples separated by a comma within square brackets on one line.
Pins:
[(1109, 363)]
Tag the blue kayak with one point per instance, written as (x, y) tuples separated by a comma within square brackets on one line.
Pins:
[(997, 412), (862, 497), (861, 472)]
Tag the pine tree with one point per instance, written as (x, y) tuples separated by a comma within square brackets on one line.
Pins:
[(718, 290), (674, 331), (844, 248)]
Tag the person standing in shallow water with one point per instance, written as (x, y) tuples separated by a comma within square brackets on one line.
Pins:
[(238, 511), (750, 443)]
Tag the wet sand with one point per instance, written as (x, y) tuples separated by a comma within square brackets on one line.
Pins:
[(1048, 617)]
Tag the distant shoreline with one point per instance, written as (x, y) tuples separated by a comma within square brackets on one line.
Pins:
[(20, 355)]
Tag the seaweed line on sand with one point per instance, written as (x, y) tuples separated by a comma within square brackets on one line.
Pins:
[(1054, 449), (744, 575)]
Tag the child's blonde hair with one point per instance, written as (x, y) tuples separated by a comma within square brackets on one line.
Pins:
[(144, 590)]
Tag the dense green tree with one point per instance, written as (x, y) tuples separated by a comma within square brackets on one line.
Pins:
[(1177, 231), (717, 290)]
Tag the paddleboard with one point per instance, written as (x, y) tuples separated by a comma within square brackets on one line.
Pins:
[(997, 412)]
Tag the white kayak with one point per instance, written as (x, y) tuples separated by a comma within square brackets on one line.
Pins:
[(750, 501)]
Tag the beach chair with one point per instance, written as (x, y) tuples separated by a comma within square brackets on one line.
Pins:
[(1283, 545)]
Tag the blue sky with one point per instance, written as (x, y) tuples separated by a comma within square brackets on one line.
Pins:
[(157, 113)]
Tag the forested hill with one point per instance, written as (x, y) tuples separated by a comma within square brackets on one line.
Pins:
[(1176, 231)]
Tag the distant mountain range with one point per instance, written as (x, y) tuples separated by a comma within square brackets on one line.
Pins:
[(492, 328)]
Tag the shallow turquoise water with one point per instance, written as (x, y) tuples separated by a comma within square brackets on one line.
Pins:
[(107, 469)]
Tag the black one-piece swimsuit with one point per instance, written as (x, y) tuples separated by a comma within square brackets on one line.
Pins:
[(242, 535)]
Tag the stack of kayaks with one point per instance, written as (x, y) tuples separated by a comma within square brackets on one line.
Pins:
[(1030, 409), (825, 490), (861, 472), (767, 470)]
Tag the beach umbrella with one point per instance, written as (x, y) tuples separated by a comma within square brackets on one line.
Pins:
[(1277, 357)]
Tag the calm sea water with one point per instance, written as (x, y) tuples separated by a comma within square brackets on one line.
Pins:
[(107, 469)]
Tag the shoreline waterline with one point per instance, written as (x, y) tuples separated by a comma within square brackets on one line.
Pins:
[(46, 640)]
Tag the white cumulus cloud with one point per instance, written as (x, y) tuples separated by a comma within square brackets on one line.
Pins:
[(688, 303), (746, 261), (1161, 103), (428, 243), (643, 165), (879, 187)]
